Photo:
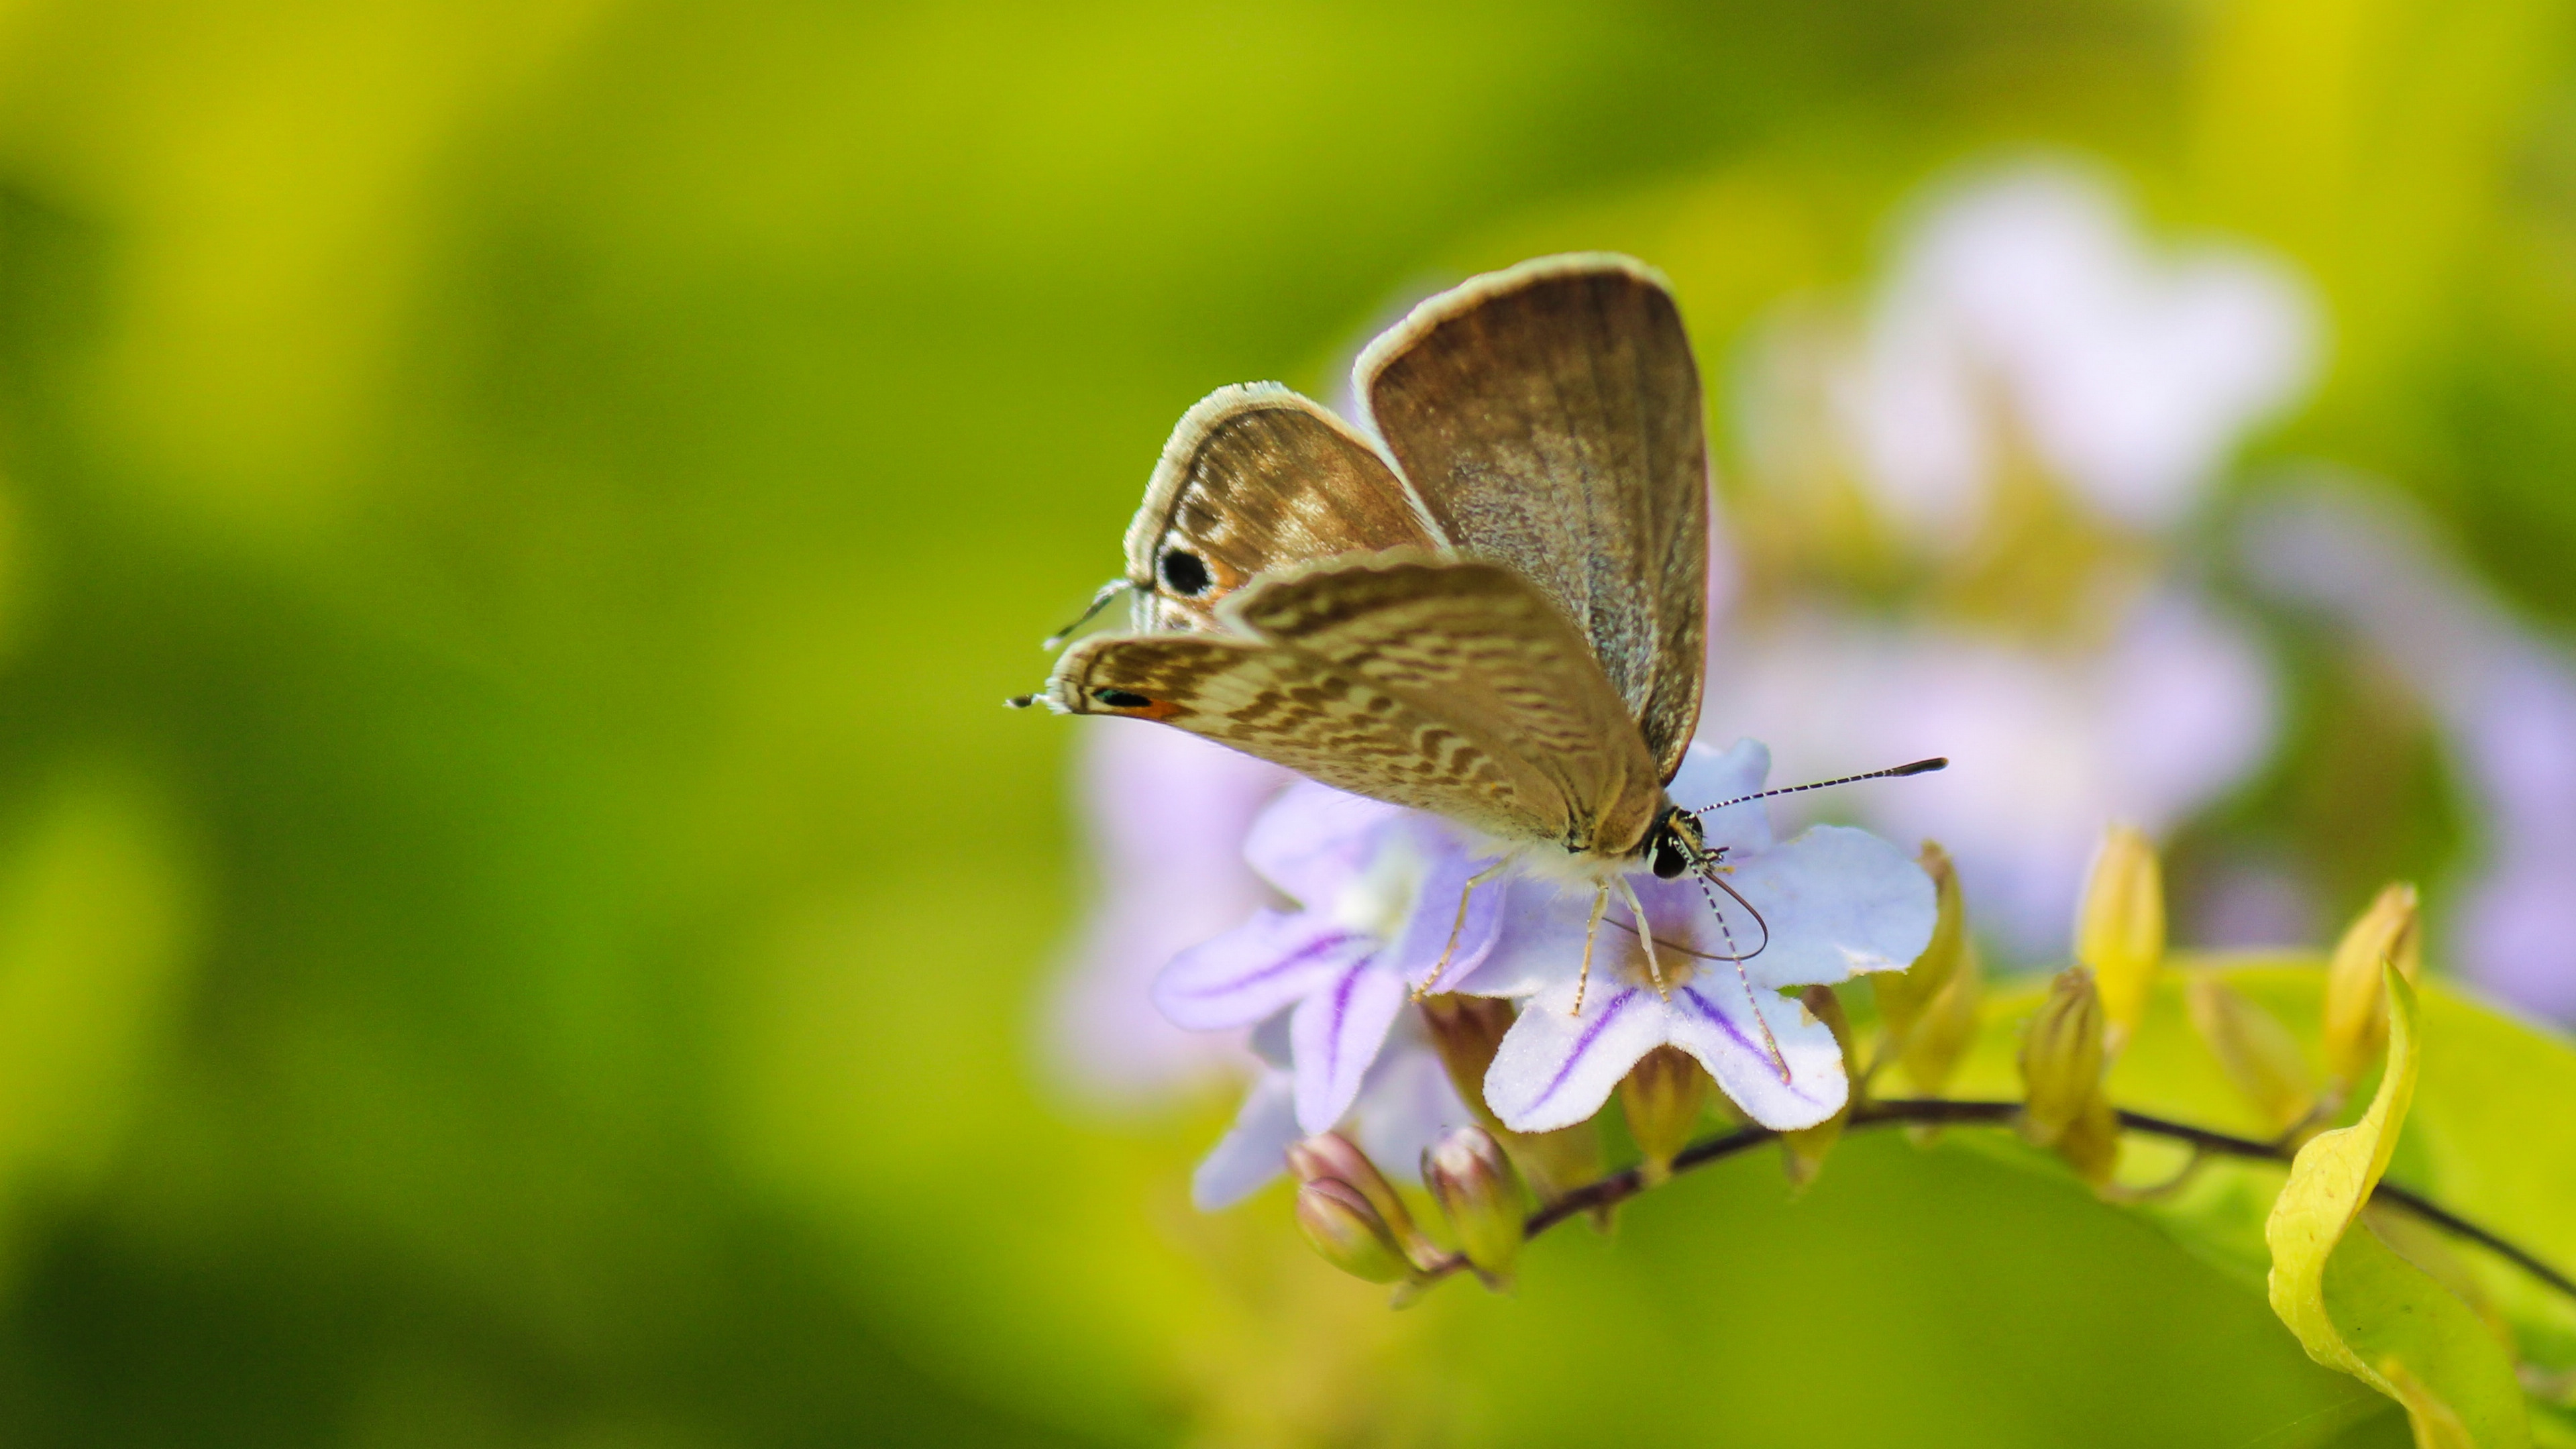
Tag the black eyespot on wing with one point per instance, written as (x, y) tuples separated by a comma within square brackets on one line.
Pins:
[(1185, 573), (1121, 698)]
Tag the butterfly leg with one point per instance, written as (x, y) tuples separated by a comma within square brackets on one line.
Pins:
[(1458, 927), (1646, 938), (1600, 908)]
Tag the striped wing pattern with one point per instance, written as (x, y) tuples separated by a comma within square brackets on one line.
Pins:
[(1445, 685), (1549, 417)]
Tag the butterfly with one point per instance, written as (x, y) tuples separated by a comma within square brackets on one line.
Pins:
[(1498, 618)]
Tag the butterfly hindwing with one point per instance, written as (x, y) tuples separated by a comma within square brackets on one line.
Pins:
[(1549, 417), (1256, 478)]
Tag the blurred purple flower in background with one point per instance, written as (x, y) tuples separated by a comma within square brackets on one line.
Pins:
[(2008, 444), (2502, 698), (1167, 813)]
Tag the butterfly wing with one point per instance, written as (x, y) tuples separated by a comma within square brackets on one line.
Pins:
[(1549, 416), (1446, 685), (1254, 478)]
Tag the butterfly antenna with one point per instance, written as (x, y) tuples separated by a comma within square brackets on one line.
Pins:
[(1895, 772), (1706, 872), (1099, 601)]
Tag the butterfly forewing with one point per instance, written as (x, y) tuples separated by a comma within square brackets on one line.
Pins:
[(1448, 686), (1549, 417), (1256, 478)]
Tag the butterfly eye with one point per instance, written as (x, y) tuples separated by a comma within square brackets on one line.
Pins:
[(1186, 573), (1121, 698)]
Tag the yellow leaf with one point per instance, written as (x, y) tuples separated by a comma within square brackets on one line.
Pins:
[(2359, 1307)]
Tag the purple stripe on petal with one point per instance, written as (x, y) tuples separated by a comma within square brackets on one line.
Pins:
[(1320, 946), (1582, 1044), (1708, 1010), (1341, 1013)]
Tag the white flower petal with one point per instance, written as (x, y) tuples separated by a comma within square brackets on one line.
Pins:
[(1556, 1069), (1334, 1037), (1838, 902), (1708, 776), (1260, 967), (1313, 839), (1713, 1021), (1253, 1151), (1406, 1105)]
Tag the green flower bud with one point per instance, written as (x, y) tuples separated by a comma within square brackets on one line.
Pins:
[(1664, 1095), (2355, 1026), (1329, 1156), (1338, 1220), (1904, 997), (1467, 1030), (1803, 1150), (1948, 1026), (2258, 1054), (1479, 1193), (2061, 1057), (2120, 929)]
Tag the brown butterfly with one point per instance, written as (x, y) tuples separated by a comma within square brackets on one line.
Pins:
[(1526, 659)]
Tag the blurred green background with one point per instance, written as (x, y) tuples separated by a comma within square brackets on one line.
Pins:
[(521, 917)]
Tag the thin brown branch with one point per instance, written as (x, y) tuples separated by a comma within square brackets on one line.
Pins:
[(1618, 1187)]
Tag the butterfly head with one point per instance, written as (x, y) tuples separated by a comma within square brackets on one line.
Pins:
[(1676, 844)]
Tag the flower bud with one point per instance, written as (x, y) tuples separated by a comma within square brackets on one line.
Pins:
[(2355, 1026), (1329, 1156), (2061, 1057), (1905, 996), (1803, 1149), (1948, 1027), (1338, 1220), (1468, 1030), (1664, 1095), (1479, 1193), (2258, 1054), (2120, 929)]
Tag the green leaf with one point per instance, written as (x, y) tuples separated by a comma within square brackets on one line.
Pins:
[(2356, 1305)]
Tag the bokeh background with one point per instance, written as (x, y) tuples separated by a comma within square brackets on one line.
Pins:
[(523, 922)]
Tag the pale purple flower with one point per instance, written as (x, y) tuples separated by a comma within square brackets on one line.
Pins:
[(1837, 902), (2029, 298), (1404, 1104), (1167, 813), (2046, 744), (2503, 698), (1376, 889), (2026, 324)]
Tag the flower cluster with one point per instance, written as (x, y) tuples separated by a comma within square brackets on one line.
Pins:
[(1377, 915)]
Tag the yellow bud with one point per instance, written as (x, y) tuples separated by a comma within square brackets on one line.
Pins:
[(1803, 1150), (2091, 1143), (2061, 1058), (1904, 996), (1948, 1026), (1341, 1225), (1664, 1095), (2120, 930), (2355, 1024), (2258, 1054)]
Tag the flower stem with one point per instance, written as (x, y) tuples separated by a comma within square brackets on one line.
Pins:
[(1620, 1186)]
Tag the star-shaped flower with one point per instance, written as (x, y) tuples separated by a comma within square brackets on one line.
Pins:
[(1824, 907), (1376, 888)]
